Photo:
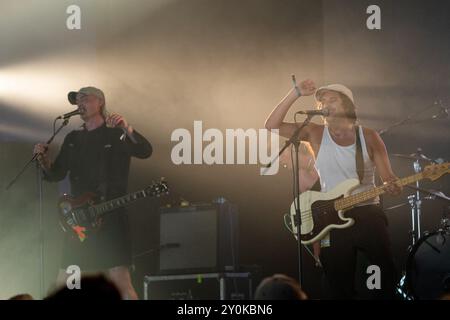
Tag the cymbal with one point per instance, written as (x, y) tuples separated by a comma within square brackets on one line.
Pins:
[(413, 156), (432, 194)]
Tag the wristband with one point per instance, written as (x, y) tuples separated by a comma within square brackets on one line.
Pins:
[(297, 89)]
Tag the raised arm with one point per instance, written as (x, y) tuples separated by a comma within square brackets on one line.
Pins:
[(276, 117), (140, 147)]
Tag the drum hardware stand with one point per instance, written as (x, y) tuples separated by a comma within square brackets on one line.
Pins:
[(413, 232), (445, 222), (415, 202), (443, 230), (414, 199)]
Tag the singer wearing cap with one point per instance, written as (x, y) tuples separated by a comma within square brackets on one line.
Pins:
[(97, 159), (337, 144)]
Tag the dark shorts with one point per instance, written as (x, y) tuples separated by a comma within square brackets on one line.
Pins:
[(105, 248)]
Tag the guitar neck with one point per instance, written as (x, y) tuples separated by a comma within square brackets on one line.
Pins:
[(119, 202), (351, 201)]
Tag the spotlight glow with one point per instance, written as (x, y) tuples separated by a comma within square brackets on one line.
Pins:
[(43, 85)]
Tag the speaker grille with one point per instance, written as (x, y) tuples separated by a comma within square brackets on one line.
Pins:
[(199, 238)]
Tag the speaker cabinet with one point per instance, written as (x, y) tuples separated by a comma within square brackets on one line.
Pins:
[(198, 238), (208, 286)]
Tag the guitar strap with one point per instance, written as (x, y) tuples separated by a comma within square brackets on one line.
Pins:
[(359, 156)]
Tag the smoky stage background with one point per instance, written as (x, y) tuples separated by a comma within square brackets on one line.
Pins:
[(165, 63)]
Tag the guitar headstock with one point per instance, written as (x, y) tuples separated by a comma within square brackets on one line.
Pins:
[(158, 188), (435, 171)]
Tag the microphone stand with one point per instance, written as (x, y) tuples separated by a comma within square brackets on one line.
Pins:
[(409, 118), (295, 141), (40, 196)]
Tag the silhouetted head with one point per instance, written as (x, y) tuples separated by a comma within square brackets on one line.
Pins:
[(92, 288), (22, 296), (279, 287)]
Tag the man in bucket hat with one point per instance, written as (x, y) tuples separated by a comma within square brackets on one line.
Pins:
[(337, 145), (97, 159)]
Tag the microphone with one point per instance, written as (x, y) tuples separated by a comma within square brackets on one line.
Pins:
[(316, 112), (70, 114)]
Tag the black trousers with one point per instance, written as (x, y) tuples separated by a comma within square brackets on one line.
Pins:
[(369, 235)]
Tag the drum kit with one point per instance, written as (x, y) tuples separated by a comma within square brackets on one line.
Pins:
[(427, 274)]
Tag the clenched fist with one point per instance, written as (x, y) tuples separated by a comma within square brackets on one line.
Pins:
[(307, 87)]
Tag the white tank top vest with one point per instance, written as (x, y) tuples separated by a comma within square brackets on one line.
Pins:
[(336, 164)]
